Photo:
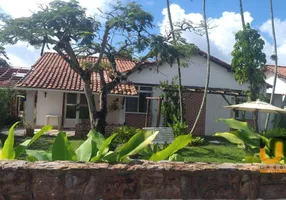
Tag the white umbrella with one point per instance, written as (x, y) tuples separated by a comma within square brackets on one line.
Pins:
[(258, 105)]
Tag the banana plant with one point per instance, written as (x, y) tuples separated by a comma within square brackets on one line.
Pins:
[(9, 152), (244, 136)]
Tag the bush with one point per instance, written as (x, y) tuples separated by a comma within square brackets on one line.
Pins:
[(275, 132), (196, 141), (7, 116), (124, 134), (179, 128)]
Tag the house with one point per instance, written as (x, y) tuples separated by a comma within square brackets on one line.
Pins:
[(55, 93), (280, 90), (9, 77)]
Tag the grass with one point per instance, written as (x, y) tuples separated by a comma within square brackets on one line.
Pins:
[(213, 153), (224, 152)]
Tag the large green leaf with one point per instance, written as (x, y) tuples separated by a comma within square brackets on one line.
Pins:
[(62, 149), (238, 125), (8, 151), (85, 150), (138, 142), (111, 157), (97, 140), (230, 137), (103, 148), (40, 155), (24, 145), (179, 143)]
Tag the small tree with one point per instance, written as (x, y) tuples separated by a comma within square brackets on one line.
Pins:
[(248, 60), (65, 27), (3, 58)]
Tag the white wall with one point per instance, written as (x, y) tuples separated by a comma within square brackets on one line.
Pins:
[(49, 105), (214, 111), (280, 83), (194, 75), (52, 105)]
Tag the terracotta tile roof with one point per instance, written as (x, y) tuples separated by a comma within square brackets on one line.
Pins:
[(281, 70), (52, 72), (10, 76)]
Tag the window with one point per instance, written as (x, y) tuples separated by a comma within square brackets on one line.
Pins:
[(240, 114), (76, 103), (139, 104), (71, 106), (83, 108)]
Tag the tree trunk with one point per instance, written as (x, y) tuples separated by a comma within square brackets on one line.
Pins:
[(90, 100), (179, 64), (103, 105), (208, 67), (275, 56), (241, 14)]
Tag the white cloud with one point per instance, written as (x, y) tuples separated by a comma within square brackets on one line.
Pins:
[(222, 37), (22, 54), (280, 31)]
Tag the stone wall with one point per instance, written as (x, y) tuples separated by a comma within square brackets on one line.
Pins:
[(140, 180)]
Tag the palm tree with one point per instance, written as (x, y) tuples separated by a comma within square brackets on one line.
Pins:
[(275, 58), (241, 14), (208, 67), (178, 61)]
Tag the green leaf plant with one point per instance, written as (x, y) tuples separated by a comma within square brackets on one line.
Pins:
[(95, 148)]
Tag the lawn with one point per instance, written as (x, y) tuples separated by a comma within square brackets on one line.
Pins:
[(224, 152)]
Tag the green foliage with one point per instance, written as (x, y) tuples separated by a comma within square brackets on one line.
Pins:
[(124, 133), (62, 149), (197, 141), (275, 132), (167, 50), (171, 107), (6, 107), (179, 143), (10, 152), (95, 148), (244, 136), (248, 60), (3, 57), (179, 128)]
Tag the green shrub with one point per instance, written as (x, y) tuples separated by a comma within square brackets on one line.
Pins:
[(124, 134), (94, 149), (6, 107), (196, 141), (179, 128), (275, 132)]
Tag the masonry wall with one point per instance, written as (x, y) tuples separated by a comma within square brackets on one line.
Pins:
[(140, 180)]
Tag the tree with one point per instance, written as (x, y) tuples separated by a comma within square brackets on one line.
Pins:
[(275, 58), (64, 27), (178, 63), (248, 60), (3, 58), (208, 66)]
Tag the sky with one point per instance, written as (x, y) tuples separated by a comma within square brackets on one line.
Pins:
[(223, 15)]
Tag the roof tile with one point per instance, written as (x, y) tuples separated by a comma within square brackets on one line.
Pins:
[(52, 72)]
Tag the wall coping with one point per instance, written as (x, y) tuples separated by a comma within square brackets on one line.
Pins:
[(133, 166)]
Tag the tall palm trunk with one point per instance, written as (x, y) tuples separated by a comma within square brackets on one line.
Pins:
[(275, 60), (208, 67), (178, 61), (241, 14)]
